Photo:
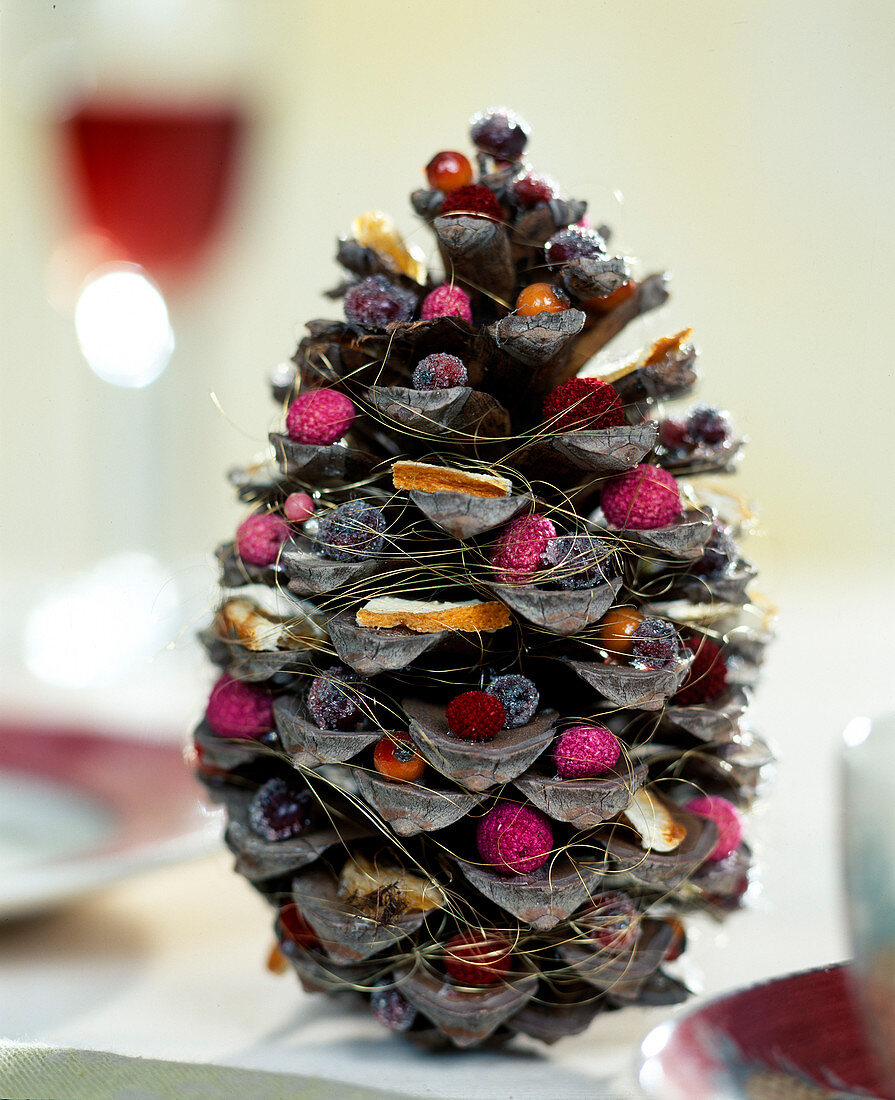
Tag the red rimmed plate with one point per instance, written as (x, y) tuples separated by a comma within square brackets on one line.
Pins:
[(80, 809), (796, 1037)]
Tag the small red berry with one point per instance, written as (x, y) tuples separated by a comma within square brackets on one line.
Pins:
[(612, 921), (439, 371), (541, 298), (448, 170), (707, 676), (396, 757), (447, 301), (298, 507), (477, 958), (475, 200), (296, 928), (475, 716)]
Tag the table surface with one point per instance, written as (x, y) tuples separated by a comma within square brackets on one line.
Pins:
[(171, 963)]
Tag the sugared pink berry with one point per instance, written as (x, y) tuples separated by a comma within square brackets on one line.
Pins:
[(236, 709), (641, 499), (727, 819), (298, 507), (376, 302), (447, 301), (439, 371), (514, 839), (319, 416), (517, 555), (259, 538), (585, 752)]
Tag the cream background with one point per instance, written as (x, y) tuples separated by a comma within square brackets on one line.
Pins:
[(752, 142)]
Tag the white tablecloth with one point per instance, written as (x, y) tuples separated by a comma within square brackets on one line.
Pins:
[(171, 964)]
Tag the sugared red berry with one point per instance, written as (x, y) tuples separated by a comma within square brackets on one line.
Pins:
[(319, 416), (673, 434), (377, 302), (611, 922), (643, 498), (707, 676), (514, 840), (296, 929), (391, 1008), (583, 404), (475, 716), (298, 507), (708, 425), (477, 958), (396, 757), (616, 628), (573, 242), (475, 201), (530, 190), (519, 696), (576, 561), (499, 132), (518, 552), (448, 170), (279, 810), (585, 752), (439, 371), (236, 709), (605, 303), (259, 538), (447, 301), (541, 298), (335, 701), (655, 644), (727, 820), (352, 532)]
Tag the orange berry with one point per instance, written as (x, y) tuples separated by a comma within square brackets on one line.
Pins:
[(540, 298), (616, 628), (678, 940), (277, 963), (608, 302), (396, 757), (448, 170)]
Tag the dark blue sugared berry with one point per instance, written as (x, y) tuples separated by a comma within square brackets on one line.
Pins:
[(334, 700), (720, 552), (439, 371), (391, 1008), (377, 302), (708, 425), (499, 132), (279, 810), (351, 532), (655, 644), (577, 561), (519, 697), (568, 244)]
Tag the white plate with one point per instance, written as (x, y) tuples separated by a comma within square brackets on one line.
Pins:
[(79, 810)]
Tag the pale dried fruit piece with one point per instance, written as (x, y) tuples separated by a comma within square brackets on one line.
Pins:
[(244, 621), (366, 882), (375, 230), (659, 831)]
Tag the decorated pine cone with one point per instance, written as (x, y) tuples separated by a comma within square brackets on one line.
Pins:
[(485, 640)]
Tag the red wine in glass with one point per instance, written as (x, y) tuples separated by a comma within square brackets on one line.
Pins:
[(157, 179)]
